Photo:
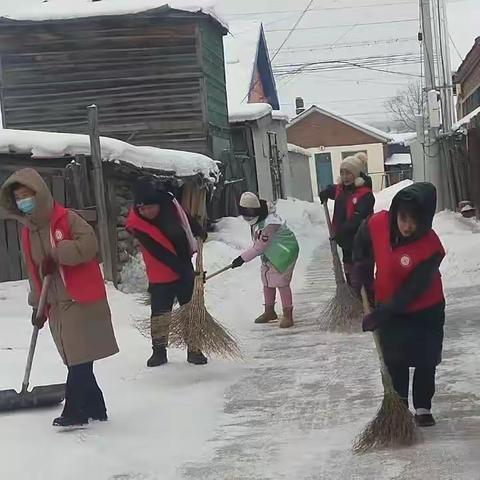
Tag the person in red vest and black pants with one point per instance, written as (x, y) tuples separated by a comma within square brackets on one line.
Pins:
[(410, 303), (354, 202), (166, 235), (58, 243)]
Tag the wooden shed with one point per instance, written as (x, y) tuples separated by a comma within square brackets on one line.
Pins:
[(64, 161), (157, 76)]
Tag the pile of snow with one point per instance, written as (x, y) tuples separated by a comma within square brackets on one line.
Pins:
[(51, 144), (302, 217), (384, 198), (249, 112), (67, 9), (461, 239), (134, 276)]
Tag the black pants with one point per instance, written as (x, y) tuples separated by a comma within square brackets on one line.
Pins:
[(83, 397), (423, 384), (163, 295)]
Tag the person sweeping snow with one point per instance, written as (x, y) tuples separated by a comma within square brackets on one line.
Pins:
[(410, 303), (58, 243), (354, 202), (278, 248), (167, 244)]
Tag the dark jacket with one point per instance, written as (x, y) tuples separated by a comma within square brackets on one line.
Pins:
[(413, 339), (345, 229), (169, 224)]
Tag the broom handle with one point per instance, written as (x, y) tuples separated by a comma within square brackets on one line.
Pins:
[(199, 262), (337, 264), (33, 340), (218, 272), (386, 377)]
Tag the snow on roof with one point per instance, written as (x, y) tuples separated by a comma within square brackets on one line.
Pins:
[(241, 49), (249, 112), (51, 144), (374, 132), (402, 138), (296, 149), (399, 159), (279, 115), (466, 119), (68, 9)]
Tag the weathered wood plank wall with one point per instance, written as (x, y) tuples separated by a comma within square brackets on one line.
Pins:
[(144, 72)]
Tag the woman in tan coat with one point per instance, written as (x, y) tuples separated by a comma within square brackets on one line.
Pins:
[(59, 243)]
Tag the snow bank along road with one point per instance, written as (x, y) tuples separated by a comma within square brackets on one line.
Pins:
[(289, 411)]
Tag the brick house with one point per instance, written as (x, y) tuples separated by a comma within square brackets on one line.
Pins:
[(467, 80), (331, 138)]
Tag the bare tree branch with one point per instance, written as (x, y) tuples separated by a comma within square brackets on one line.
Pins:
[(408, 103)]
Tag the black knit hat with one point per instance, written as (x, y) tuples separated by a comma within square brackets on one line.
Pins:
[(147, 193)]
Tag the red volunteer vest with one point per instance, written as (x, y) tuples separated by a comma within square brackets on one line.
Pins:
[(395, 265), (84, 283), (157, 272), (352, 199)]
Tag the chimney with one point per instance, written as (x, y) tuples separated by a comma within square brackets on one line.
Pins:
[(299, 105)]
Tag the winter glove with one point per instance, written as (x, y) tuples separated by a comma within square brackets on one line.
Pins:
[(374, 320), (323, 196), (238, 262), (38, 322), (49, 266)]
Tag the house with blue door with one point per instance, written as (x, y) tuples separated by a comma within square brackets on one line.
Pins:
[(330, 138)]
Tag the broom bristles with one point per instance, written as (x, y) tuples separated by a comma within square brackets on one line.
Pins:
[(193, 327), (343, 313), (393, 426)]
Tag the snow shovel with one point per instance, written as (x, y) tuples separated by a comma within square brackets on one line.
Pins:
[(42, 396)]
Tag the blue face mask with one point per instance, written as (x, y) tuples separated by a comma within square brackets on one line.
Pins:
[(26, 205)]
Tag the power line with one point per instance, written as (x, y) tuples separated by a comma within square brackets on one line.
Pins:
[(323, 9), (290, 32), (350, 100), (329, 46), (456, 49), (345, 25)]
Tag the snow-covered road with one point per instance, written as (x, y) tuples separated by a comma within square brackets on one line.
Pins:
[(289, 411)]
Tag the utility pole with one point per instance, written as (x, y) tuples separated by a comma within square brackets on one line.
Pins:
[(449, 115), (432, 163)]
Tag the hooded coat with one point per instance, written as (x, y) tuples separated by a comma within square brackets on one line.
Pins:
[(413, 339), (82, 332)]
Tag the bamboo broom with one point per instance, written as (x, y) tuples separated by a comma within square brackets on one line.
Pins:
[(193, 327), (344, 311), (394, 424)]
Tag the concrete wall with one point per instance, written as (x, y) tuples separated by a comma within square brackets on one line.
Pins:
[(298, 178), (376, 166), (260, 131)]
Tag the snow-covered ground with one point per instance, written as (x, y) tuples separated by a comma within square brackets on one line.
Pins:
[(289, 410)]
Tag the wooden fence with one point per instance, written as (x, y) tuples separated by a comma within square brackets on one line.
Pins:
[(70, 186)]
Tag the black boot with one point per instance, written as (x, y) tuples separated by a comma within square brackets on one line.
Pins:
[(425, 420), (159, 356), (196, 358), (70, 421)]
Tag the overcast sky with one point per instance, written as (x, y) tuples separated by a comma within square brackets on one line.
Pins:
[(336, 30)]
